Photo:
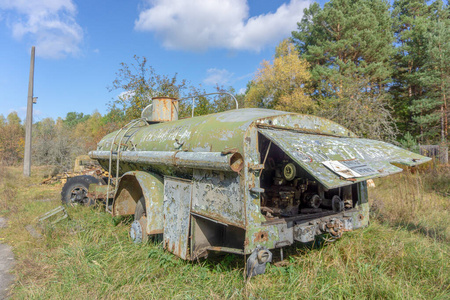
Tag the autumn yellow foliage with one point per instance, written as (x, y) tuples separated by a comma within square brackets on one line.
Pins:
[(283, 83)]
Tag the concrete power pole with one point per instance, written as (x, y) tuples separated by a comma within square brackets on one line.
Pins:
[(29, 120)]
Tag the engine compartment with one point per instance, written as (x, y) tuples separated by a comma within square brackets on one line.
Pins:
[(290, 191)]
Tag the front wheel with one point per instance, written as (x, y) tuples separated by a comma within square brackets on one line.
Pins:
[(75, 190)]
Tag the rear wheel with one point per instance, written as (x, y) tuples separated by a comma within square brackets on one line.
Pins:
[(138, 231), (75, 190)]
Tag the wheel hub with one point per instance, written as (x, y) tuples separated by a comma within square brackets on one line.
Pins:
[(78, 195), (137, 232)]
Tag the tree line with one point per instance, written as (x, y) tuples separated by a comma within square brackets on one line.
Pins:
[(381, 70)]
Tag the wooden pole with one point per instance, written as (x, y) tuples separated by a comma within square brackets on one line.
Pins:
[(29, 120)]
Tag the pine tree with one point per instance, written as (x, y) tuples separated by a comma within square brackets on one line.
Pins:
[(420, 82), (431, 109), (411, 22), (348, 44)]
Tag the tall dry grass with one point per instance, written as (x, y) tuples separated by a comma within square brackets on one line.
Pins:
[(417, 201), (8, 190), (89, 256)]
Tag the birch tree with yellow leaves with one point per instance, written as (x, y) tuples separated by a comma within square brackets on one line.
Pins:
[(283, 83)]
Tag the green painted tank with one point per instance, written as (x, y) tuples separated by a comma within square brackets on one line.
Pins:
[(244, 181)]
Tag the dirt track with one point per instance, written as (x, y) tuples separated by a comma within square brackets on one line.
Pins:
[(6, 263)]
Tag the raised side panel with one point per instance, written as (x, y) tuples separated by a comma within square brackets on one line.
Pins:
[(177, 206), (217, 195)]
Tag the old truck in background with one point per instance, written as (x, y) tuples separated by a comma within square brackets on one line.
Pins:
[(243, 181)]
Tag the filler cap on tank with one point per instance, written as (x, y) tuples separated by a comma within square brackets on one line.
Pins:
[(162, 109)]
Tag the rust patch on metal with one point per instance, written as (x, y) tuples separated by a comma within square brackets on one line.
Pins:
[(261, 236), (229, 151), (156, 232)]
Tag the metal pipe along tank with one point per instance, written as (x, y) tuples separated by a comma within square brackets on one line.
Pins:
[(193, 160)]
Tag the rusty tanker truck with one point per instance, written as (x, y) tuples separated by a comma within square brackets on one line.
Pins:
[(244, 181)]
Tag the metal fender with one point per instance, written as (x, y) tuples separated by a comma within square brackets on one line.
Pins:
[(136, 184)]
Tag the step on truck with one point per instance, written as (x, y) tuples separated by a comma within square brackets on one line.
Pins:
[(244, 181)]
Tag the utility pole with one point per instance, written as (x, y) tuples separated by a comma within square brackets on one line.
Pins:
[(29, 120)]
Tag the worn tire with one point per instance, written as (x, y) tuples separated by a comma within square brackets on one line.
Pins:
[(75, 190), (137, 229)]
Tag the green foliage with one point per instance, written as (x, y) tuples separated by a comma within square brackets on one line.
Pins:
[(209, 104), (349, 45), (410, 23), (13, 119), (74, 118), (139, 83), (346, 41), (409, 142), (364, 114), (420, 68), (430, 110), (115, 115)]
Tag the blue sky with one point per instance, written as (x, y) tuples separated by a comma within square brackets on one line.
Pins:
[(80, 44)]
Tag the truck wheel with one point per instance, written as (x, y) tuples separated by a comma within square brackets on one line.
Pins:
[(75, 190), (138, 227)]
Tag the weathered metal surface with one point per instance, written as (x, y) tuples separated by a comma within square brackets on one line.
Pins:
[(256, 263), (216, 132), (164, 109), (193, 160), (177, 206), (283, 232), (254, 218), (217, 195), (128, 194), (137, 184), (225, 249), (305, 124), (97, 191), (310, 151), (217, 207), (304, 233), (153, 191)]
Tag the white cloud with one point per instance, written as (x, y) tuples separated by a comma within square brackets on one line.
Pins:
[(216, 76), (198, 24), (51, 24)]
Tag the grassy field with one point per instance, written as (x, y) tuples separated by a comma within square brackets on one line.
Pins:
[(403, 254)]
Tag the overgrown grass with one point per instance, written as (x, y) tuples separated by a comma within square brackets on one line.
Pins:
[(419, 202), (88, 256)]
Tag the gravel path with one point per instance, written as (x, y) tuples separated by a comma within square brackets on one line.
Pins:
[(6, 263)]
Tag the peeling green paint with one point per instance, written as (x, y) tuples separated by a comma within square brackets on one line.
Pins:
[(198, 151)]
